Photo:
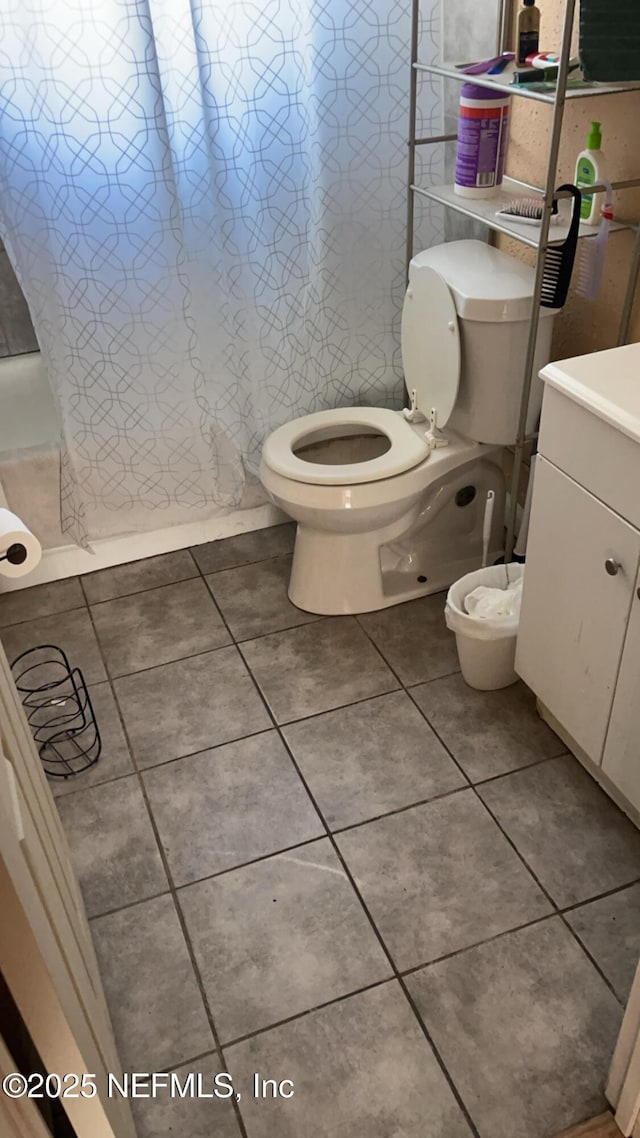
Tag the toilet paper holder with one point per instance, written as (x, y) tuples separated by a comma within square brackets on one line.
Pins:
[(59, 711), (16, 554)]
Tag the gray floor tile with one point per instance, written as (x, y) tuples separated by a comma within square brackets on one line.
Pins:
[(245, 548), (526, 1027), (172, 1116), (280, 937), (489, 732), (158, 626), (71, 631), (440, 877), (40, 600), (317, 667), (137, 576), (253, 598), (228, 806), (414, 639), (577, 842), (114, 756), (113, 847), (154, 1001), (371, 758), (360, 1067), (189, 705), (610, 930)]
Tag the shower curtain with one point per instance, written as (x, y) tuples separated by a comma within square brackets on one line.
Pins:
[(204, 203)]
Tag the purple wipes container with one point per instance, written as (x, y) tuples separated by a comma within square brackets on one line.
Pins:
[(483, 128)]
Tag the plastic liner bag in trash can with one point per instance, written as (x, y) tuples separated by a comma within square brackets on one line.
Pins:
[(501, 606), (486, 637)]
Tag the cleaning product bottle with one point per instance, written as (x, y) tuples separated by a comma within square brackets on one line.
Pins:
[(483, 127), (590, 168), (527, 31)]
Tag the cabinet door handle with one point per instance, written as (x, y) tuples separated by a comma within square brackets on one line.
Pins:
[(612, 566)]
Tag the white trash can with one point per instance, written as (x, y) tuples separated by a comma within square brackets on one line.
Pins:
[(486, 648)]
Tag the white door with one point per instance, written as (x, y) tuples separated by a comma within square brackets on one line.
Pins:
[(574, 613), (621, 759), (46, 954), (623, 1086)]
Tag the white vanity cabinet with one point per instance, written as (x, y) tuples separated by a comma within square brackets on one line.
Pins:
[(579, 637)]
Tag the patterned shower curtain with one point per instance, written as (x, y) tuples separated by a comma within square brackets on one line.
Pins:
[(204, 203)]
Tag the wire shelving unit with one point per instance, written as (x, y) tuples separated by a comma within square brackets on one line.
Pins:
[(483, 209)]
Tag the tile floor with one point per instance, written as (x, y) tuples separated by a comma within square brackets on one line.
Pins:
[(310, 851)]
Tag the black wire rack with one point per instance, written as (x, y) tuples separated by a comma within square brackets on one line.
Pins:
[(59, 711)]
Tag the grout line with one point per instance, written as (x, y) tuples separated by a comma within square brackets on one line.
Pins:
[(308, 1011), (478, 944), (261, 635), (43, 616), (592, 958), (335, 829), (193, 1059), (327, 710), (141, 592), (330, 710), (172, 891), (517, 770), (165, 663), (163, 762), (599, 896), (399, 976), (320, 837), (422, 1026), (129, 905), (556, 909), (242, 564), (432, 680), (399, 810), (231, 643), (277, 631)]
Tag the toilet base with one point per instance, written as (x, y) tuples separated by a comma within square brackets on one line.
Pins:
[(437, 541), (327, 591), (334, 574)]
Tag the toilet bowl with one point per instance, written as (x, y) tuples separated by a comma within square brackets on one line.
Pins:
[(389, 504)]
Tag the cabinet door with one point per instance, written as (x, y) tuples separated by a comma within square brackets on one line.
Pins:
[(574, 613), (621, 759)]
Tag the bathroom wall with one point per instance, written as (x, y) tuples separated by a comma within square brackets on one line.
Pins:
[(16, 330), (584, 326), (469, 31)]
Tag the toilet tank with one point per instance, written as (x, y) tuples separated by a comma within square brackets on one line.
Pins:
[(493, 295)]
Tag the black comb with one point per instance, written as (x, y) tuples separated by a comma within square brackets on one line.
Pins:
[(558, 259)]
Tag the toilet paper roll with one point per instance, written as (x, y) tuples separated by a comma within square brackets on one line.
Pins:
[(20, 550)]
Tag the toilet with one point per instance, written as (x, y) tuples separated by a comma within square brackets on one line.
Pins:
[(390, 505)]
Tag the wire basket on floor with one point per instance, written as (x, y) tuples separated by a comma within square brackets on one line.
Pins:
[(59, 710)]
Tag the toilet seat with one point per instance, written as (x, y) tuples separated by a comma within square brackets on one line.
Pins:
[(408, 447)]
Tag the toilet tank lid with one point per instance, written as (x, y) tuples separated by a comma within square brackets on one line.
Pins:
[(486, 284)]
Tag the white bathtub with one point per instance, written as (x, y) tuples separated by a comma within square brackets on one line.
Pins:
[(28, 416), (30, 487), (29, 449)]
